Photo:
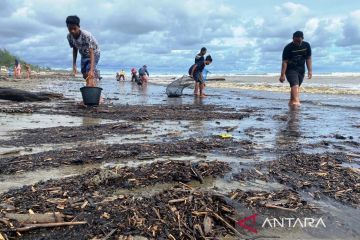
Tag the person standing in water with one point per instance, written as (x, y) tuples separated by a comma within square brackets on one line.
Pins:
[(122, 74), (144, 74), (199, 58), (294, 57), (85, 43), (17, 69), (28, 71), (195, 71)]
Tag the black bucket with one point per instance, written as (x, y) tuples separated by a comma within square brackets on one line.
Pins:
[(91, 95)]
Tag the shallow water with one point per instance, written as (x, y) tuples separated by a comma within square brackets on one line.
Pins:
[(28, 178)]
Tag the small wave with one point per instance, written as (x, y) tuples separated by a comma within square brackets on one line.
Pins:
[(284, 88)]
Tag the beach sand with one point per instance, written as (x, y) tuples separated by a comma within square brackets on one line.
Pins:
[(147, 165)]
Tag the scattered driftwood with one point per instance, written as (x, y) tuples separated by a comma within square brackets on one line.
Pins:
[(25, 96)]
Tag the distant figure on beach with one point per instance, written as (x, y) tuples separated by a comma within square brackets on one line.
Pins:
[(122, 74), (28, 71), (17, 69), (134, 77), (144, 74), (294, 57), (84, 42), (195, 71), (10, 72), (133, 74)]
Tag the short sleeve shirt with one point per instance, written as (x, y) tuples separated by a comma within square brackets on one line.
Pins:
[(199, 67), (199, 58), (83, 43), (296, 56)]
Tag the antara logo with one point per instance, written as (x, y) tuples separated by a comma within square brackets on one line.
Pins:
[(249, 223), (293, 222)]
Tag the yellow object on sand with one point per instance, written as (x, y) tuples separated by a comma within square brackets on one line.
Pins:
[(225, 135)]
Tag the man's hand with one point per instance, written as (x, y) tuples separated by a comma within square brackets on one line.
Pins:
[(309, 74), (90, 79), (74, 70), (91, 75), (282, 78)]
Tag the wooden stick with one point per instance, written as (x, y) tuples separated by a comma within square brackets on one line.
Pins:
[(226, 223), (197, 174), (5, 221), (28, 227), (109, 235), (186, 186), (178, 200), (281, 208)]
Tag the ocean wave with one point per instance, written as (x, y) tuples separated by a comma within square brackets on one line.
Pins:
[(275, 87)]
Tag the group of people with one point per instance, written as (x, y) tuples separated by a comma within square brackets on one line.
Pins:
[(140, 78), (294, 57), (16, 70)]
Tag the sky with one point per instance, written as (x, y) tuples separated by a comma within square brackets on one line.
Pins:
[(241, 36)]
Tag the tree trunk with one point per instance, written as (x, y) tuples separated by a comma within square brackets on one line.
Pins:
[(25, 96)]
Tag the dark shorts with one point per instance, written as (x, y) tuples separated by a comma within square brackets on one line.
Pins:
[(197, 75), (85, 66), (294, 78)]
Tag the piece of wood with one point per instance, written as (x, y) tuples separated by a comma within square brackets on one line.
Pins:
[(197, 173), (28, 227), (281, 208), (178, 200), (109, 234), (214, 214), (6, 222), (18, 95), (36, 218), (214, 79), (208, 223)]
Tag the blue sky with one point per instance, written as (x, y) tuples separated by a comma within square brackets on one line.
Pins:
[(241, 36)]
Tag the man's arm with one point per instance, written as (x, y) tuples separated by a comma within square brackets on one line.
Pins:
[(309, 67), (283, 70), (284, 64), (75, 51), (147, 72), (92, 63)]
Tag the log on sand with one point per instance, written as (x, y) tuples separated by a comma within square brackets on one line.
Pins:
[(25, 96)]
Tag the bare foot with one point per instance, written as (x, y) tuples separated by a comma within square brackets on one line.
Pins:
[(202, 95), (294, 103), (101, 101), (81, 105)]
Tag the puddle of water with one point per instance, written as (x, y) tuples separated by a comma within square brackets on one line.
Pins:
[(13, 122), (29, 178), (18, 151)]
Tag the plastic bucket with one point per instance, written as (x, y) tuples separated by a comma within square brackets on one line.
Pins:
[(91, 95)]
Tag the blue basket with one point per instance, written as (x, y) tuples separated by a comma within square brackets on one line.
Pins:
[(91, 95)]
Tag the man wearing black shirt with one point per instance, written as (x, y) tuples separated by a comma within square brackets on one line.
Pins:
[(294, 57)]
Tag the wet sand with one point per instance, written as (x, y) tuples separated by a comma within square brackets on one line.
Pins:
[(147, 165)]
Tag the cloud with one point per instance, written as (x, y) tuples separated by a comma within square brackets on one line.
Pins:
[(167, 34), (351, 30)]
